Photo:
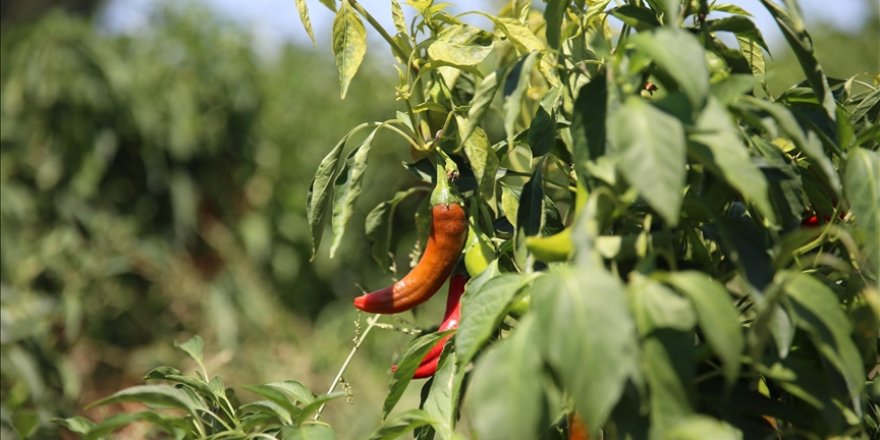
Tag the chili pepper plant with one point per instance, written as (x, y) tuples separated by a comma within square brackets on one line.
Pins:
[(636, 197), (640, 241)]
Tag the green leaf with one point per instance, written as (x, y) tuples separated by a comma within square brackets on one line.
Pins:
[(650, 146), (378, 225), (311, 431), (862, 184), (514, 89), (701, 428), (809, 145), (484, 160), (717, 315), (402, 423), (636, 17), (347, 189), (349, 44), (162, 396), (406, 367), (269, 408), (816, 309), (278, 398), (792, 27), (530, 213), (319, 196), (588, 336), (294, 390), (657, 306), (443, 396), (743, 27), (458, 54), (680, 55), (480, 103), (398, 17), (303, 10), (193, 347), (498, 406), (726, 153), (523, 39), (77, 425), (119, 421), (482, 307), (665, 319), (314, 405), (588, 127), (542, 132), (553, 15), (751, 51)]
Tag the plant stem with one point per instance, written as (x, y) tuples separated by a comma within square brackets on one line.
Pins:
[(378, 27), (370, 324)]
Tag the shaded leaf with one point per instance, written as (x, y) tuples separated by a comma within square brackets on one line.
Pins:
[(482, 308), (680, 55), (402, 423), (650, 146), (719, 319), (498, 406), (347, 189), (727, 153), (587, 336)]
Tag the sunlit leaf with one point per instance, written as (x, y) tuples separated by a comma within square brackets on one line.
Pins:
[(349, 44)]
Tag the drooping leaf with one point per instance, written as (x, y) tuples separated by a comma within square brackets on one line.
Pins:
[(650, 146), (498, 406), (406, 367), (680, 55), (742, 27), (514, 89), (792, 26), (398, 17), (727, 153), (702, 427), (719, 319), (378, 225), (347, 188), (553, 15), (862, 184), (402, 423), (484, 160), (303, 10), (816, 309), (636, 17), (480, 103), (482, 308), (163, 396), (443, 396), (349, 44), (588, 336), (588, 127)]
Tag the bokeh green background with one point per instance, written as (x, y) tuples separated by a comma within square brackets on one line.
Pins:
[(154, 187)]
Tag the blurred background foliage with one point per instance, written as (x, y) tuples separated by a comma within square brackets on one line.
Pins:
[(153, 187)]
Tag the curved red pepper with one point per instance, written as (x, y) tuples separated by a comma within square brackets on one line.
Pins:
[(451, 317)]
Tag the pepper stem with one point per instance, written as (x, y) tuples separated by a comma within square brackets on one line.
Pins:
[(444, 193)]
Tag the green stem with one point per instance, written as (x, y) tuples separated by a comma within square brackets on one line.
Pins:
[(370, 324), (378, 27)]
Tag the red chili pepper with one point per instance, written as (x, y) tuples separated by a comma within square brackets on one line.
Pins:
[(451, 316), (449, 227), (812, 220)]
